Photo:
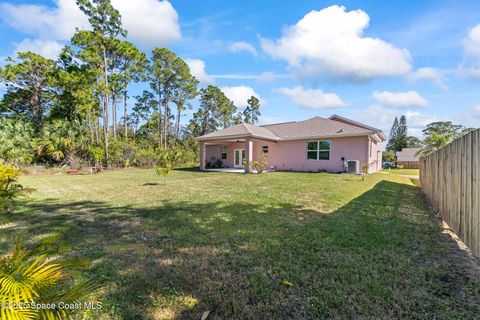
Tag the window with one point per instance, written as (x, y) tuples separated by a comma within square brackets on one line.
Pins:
[(224, 152), (318, 150), (264, 149)]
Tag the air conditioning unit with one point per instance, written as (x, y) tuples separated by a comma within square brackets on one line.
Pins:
[(353, 166)]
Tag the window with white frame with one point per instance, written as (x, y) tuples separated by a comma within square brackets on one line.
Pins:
[(265, 149), (318, 150), (224, 152)]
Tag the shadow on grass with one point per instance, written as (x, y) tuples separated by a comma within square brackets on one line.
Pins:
[(372, 258)]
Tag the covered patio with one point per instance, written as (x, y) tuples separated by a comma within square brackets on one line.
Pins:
[(232, 147)]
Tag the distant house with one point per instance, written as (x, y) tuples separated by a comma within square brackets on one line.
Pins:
[(336, 144), (408, 158)]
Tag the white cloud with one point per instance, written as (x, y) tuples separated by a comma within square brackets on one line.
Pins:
[(45, 22), (197, 68), (382, 118), (435, 75), (235, 76), (417, 121), (148, 22), (331, 41), (270, 76), (243, 46), (471, 45), (476, 111), (409, 99), (376, 116), (240, 94), (472, 42), (312, 98), (49, 48)]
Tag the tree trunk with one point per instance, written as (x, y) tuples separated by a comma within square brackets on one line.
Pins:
[(90, 125), (97, 129), (177, 123), (160, 119), (114, 115), (125, 124), (167, 120), (105, 106), (37, 109)]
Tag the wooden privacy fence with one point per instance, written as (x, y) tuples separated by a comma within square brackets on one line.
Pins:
[(450, 178), (409, 164)]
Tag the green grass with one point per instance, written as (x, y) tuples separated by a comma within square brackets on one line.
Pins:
[(408, 172), (272, 246)]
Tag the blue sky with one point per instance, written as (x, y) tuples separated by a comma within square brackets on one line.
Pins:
[(367, 60)]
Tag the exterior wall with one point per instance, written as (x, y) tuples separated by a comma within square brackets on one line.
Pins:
[(292, 155), (213, 151), (374, 156)]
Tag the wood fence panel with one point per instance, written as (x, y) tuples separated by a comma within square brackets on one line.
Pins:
[(450, 179)]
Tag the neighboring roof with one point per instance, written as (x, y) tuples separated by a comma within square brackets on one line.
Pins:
[(315, 127), (408, 154)]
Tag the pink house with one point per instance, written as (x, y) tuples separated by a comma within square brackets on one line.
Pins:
[(335, 144)]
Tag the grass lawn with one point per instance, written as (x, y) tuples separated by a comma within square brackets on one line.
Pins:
[(407, 172), (272, 246)]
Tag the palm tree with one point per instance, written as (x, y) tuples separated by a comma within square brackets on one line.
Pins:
[(434, 142), (59, 140), (26, 279)]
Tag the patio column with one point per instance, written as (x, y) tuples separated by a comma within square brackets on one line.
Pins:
[(248, 154), (203, 155)]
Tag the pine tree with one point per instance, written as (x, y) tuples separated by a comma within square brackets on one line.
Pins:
[(252, 111), (392, 138), (401, 137)]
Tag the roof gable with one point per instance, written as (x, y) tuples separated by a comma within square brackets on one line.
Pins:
[(336, 117)]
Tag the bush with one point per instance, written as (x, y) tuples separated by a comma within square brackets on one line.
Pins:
[(9, 188), (145, 158), (261, 164), (164, 171), (16, 141), (98, 155), (122, 154)]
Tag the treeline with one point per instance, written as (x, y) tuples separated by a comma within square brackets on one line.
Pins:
[(75, 111), (436, 135)]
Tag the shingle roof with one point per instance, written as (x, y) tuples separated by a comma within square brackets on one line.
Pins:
[(240, 130), (315, 127)]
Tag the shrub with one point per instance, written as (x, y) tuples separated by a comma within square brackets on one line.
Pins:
[(9, 188), (98, 155), (164, 171), (122, 154), (16, 137), (261, 164), (145, 158), (27, 279)]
